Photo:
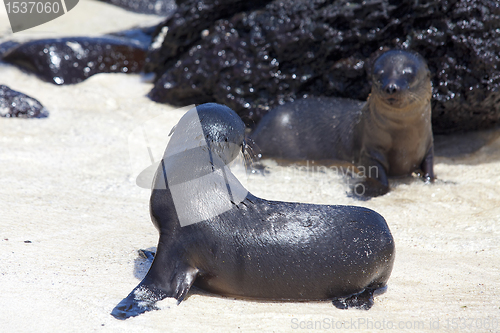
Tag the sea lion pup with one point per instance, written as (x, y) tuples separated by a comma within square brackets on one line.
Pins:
[(217, 235), (388, 136)]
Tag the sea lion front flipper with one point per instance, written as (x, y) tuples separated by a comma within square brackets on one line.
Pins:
[(140, 300), (165, 278), (144, 297), (376, 182), (369, 188), (427, 166)]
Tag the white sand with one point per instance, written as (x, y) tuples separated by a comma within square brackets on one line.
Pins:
[(67, 187)]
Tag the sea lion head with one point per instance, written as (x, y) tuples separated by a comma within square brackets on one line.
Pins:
[(223, 129), (210, 125), (401, 80), (195, 165)]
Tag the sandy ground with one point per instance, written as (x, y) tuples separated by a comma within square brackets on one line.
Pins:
[(72, 219)]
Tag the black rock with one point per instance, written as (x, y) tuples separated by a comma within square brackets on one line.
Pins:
[(16, 104), (253, 59), (74, 59), (187, 26), (6, 46), (140, 37), (156, 7)]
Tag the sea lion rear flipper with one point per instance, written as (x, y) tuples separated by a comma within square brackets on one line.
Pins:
[(362, 301)]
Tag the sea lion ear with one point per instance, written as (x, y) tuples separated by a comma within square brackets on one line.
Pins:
[(172, 130)]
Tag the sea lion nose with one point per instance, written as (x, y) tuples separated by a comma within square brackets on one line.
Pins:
[(391, 88)]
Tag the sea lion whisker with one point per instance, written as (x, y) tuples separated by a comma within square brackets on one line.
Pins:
[(249, 154)]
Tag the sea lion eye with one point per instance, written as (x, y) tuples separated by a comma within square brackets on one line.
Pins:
[(407, 71), (378, 76)]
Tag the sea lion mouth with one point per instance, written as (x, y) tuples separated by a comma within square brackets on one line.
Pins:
[(392, 100)]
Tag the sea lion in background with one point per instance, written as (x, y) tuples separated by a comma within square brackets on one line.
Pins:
[(218, 236), (389, 136)]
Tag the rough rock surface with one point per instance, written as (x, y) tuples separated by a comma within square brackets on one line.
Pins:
[(156, 7), (252, 59), (74, 59), (16, 104)]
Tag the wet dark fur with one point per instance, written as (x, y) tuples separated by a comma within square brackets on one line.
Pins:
[(261, 249), (390, 134)]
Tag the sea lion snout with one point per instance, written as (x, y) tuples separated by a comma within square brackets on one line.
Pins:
[(391, 88), (395, 84)]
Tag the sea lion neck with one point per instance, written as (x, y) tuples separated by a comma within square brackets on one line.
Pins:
[(383, 114)]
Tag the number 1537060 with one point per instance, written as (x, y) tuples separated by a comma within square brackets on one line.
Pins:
[(32, 7)]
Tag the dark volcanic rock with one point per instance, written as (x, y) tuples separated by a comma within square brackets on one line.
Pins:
[(156, 7), (186, 26), (74, 59), (16, 104), (252, 60), (139, 37), (6, 46)]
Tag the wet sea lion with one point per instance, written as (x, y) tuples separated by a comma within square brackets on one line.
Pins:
[(388, 136), (218, 236)]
